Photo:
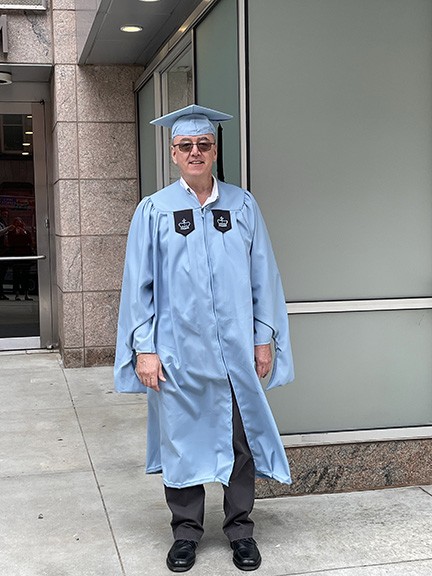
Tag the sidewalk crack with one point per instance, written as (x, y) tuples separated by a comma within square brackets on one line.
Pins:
[(426, 491), (123, 571)]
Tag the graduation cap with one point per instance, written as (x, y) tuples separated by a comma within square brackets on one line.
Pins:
[(196, 120)]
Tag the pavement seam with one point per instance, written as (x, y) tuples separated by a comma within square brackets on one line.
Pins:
[(335, 570), (95, 477)]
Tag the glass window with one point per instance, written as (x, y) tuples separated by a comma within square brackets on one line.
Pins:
[(19, 283), (177, 92), (340, 162), (16, 134), (147, 139), (173, 81), (341, 144), (357, 371), (217, 77)]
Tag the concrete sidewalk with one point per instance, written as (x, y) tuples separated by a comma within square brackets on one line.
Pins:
[(75, 501)]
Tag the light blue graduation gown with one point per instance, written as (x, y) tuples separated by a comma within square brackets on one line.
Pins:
[(201, 287)]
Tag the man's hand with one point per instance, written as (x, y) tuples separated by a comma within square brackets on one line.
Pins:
[(263, 359), (149, 370)]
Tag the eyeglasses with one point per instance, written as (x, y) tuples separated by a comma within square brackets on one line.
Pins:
[(187, 147)]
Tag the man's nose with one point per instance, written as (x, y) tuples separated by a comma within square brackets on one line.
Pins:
[(195, 148)]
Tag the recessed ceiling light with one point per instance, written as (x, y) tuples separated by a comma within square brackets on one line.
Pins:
[(28, 132), (25, 153), (129, 28), (26, 143)]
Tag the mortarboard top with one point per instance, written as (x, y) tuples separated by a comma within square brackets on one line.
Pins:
[(193, 120)]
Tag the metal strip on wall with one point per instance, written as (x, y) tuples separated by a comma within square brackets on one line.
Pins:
[(243, 93), (356, 436), (43, 223), (21, 343), (359, 305)]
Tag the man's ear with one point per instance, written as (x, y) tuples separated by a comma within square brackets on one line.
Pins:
[(173, 155)]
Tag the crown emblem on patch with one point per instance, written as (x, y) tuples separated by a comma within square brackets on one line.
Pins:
[(222, 222), (184, 224)]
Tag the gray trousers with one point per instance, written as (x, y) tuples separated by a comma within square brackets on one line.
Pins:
[(187, 504)]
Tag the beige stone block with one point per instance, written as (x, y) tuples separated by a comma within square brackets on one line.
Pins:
[(105, 93), (107, 150), (65, 108), (67, 208), (65, 151), (63, 4), (100, 318), (29, 37), (73, 357), (102, 261), (334, 468), (71, 327), (99, 356), (107, 206), (64, 35), (68, 254)]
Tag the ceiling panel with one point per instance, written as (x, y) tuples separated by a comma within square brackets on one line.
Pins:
[(110, 29), (102, 41)]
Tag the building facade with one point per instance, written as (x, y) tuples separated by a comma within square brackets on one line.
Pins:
[(332, 133)]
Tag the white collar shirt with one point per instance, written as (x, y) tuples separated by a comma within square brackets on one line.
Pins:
[(213, 196)]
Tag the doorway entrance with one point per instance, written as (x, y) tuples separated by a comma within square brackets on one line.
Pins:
[(25, 287)]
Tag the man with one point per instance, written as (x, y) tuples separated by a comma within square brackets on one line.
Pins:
[(4, 229), (201, 303)]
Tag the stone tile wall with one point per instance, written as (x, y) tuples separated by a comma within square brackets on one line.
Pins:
[(95, 192), (351, 467), (30, 38)]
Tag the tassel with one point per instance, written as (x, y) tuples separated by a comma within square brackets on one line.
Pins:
[(219, 162)]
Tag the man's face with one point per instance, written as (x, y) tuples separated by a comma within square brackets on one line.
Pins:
[(195, 162)]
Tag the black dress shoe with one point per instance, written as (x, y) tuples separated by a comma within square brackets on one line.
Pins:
[(181, 556), (246, 555)]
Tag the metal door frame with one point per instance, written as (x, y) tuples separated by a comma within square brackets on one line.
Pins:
[(37, 110)]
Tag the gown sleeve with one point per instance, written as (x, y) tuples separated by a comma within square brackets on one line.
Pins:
[(135, 331), (269, 307)]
